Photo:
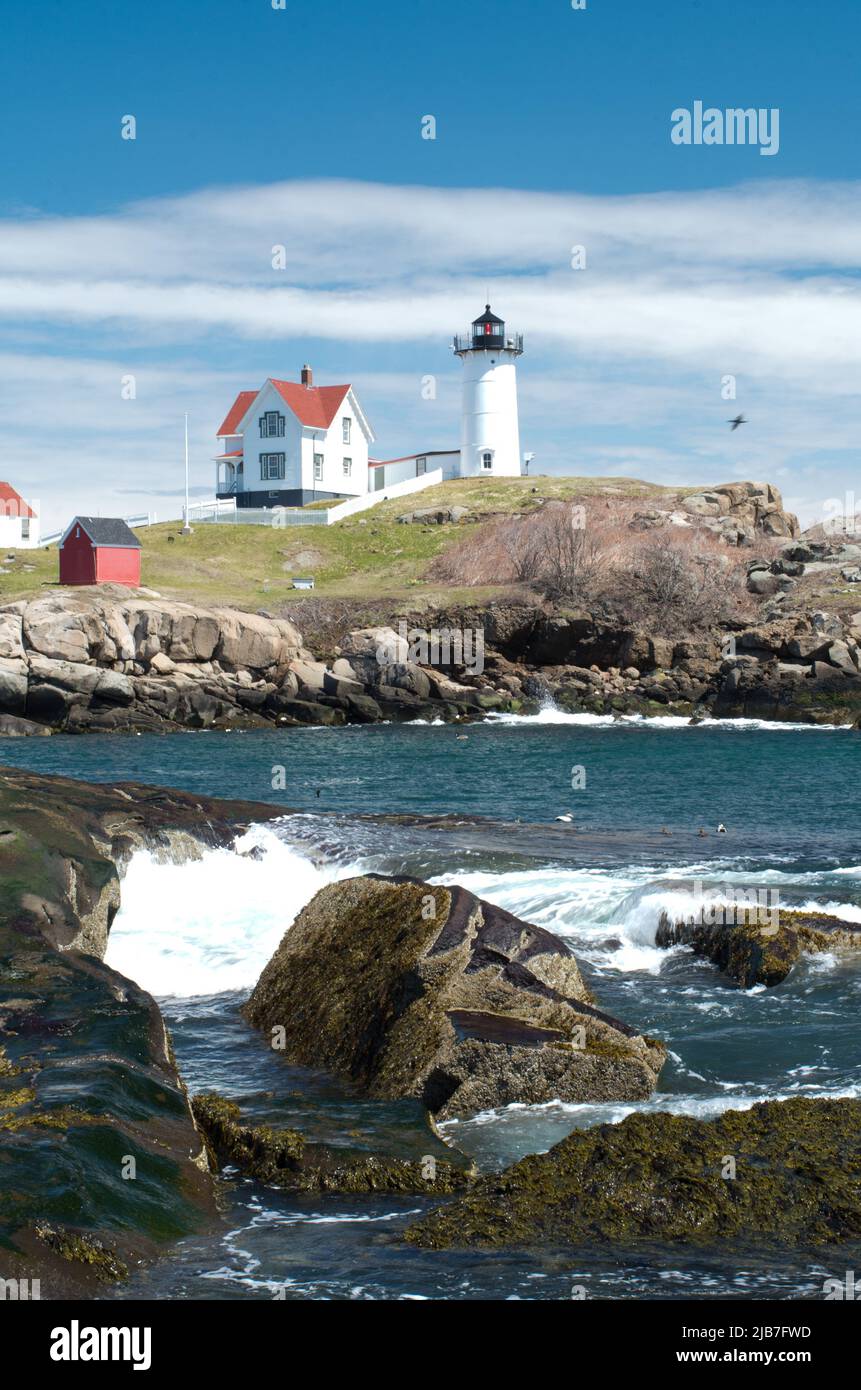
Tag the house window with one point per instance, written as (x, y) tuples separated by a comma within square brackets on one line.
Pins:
[(318, 468), (348, 467), (272, 466), (421, 467), (345, 426), (487, 460), (272, 425), (25, 528)]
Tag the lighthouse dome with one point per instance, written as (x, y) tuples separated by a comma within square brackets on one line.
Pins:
[(488, 330)]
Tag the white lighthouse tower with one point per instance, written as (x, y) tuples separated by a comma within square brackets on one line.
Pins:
[(489, 433)]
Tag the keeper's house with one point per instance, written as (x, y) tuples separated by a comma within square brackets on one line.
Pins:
[(100, 550), (291, 443)]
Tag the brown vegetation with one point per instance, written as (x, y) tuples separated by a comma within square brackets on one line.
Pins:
[(672, 579)]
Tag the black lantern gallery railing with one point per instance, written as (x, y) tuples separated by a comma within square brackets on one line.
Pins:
[(473, 341)]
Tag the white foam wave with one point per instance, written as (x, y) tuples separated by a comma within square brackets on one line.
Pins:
[(697, 1106), (848, 912), (209, 925), (550, 714), (611, 918)]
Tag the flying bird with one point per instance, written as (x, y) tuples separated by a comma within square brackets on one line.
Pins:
[(739, 420)]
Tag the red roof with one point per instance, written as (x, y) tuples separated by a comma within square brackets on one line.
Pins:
[(316, 406), (236, 411), (8, 496)]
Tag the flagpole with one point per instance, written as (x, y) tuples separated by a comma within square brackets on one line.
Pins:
[(186, 529)]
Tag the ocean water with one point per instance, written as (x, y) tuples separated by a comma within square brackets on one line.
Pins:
[(198, 934)]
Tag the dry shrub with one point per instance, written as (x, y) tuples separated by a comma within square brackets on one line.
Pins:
[(670, 579), (554, 548), (324, 621), (679, 581)]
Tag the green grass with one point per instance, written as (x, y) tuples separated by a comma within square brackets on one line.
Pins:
[(366, 557)]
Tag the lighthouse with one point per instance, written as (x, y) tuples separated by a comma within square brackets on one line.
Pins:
[(489, 433)]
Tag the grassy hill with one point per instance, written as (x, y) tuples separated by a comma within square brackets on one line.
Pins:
[(364, 558)]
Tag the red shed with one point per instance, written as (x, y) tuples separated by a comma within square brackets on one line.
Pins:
[(100, 550)]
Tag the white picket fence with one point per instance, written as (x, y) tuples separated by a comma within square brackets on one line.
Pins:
[(224, 511)]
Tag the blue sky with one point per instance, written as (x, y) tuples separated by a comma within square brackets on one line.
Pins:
[(301, 127)]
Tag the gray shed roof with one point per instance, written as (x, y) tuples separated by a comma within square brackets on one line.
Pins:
[(107, 530)]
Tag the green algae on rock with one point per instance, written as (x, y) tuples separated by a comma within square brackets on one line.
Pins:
[(88, 1080), (409, 989), (284, 1157), (796, 1180), (759, 951), (84, 1250)]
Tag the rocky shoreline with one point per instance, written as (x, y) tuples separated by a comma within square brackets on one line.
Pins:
[(106, 663), (407, 991)]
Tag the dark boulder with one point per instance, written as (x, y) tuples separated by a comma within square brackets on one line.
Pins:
[(758, 945), (409, 989)]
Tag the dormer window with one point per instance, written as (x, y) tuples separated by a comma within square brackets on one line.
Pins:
[(272, 425)]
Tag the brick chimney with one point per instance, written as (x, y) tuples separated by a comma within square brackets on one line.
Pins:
[(307, 376)]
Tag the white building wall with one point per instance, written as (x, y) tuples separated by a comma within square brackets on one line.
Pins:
[(254, 446), (489, 414), (399, 470), (330, 444), (13, 527), (387, 474)]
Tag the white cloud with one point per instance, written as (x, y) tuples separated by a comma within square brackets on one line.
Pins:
[(623, 359)]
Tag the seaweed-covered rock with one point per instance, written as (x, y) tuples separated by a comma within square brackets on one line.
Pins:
[(785, 1172), (759, 951), (101, 1165), (416, 990), (284, 1157)]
